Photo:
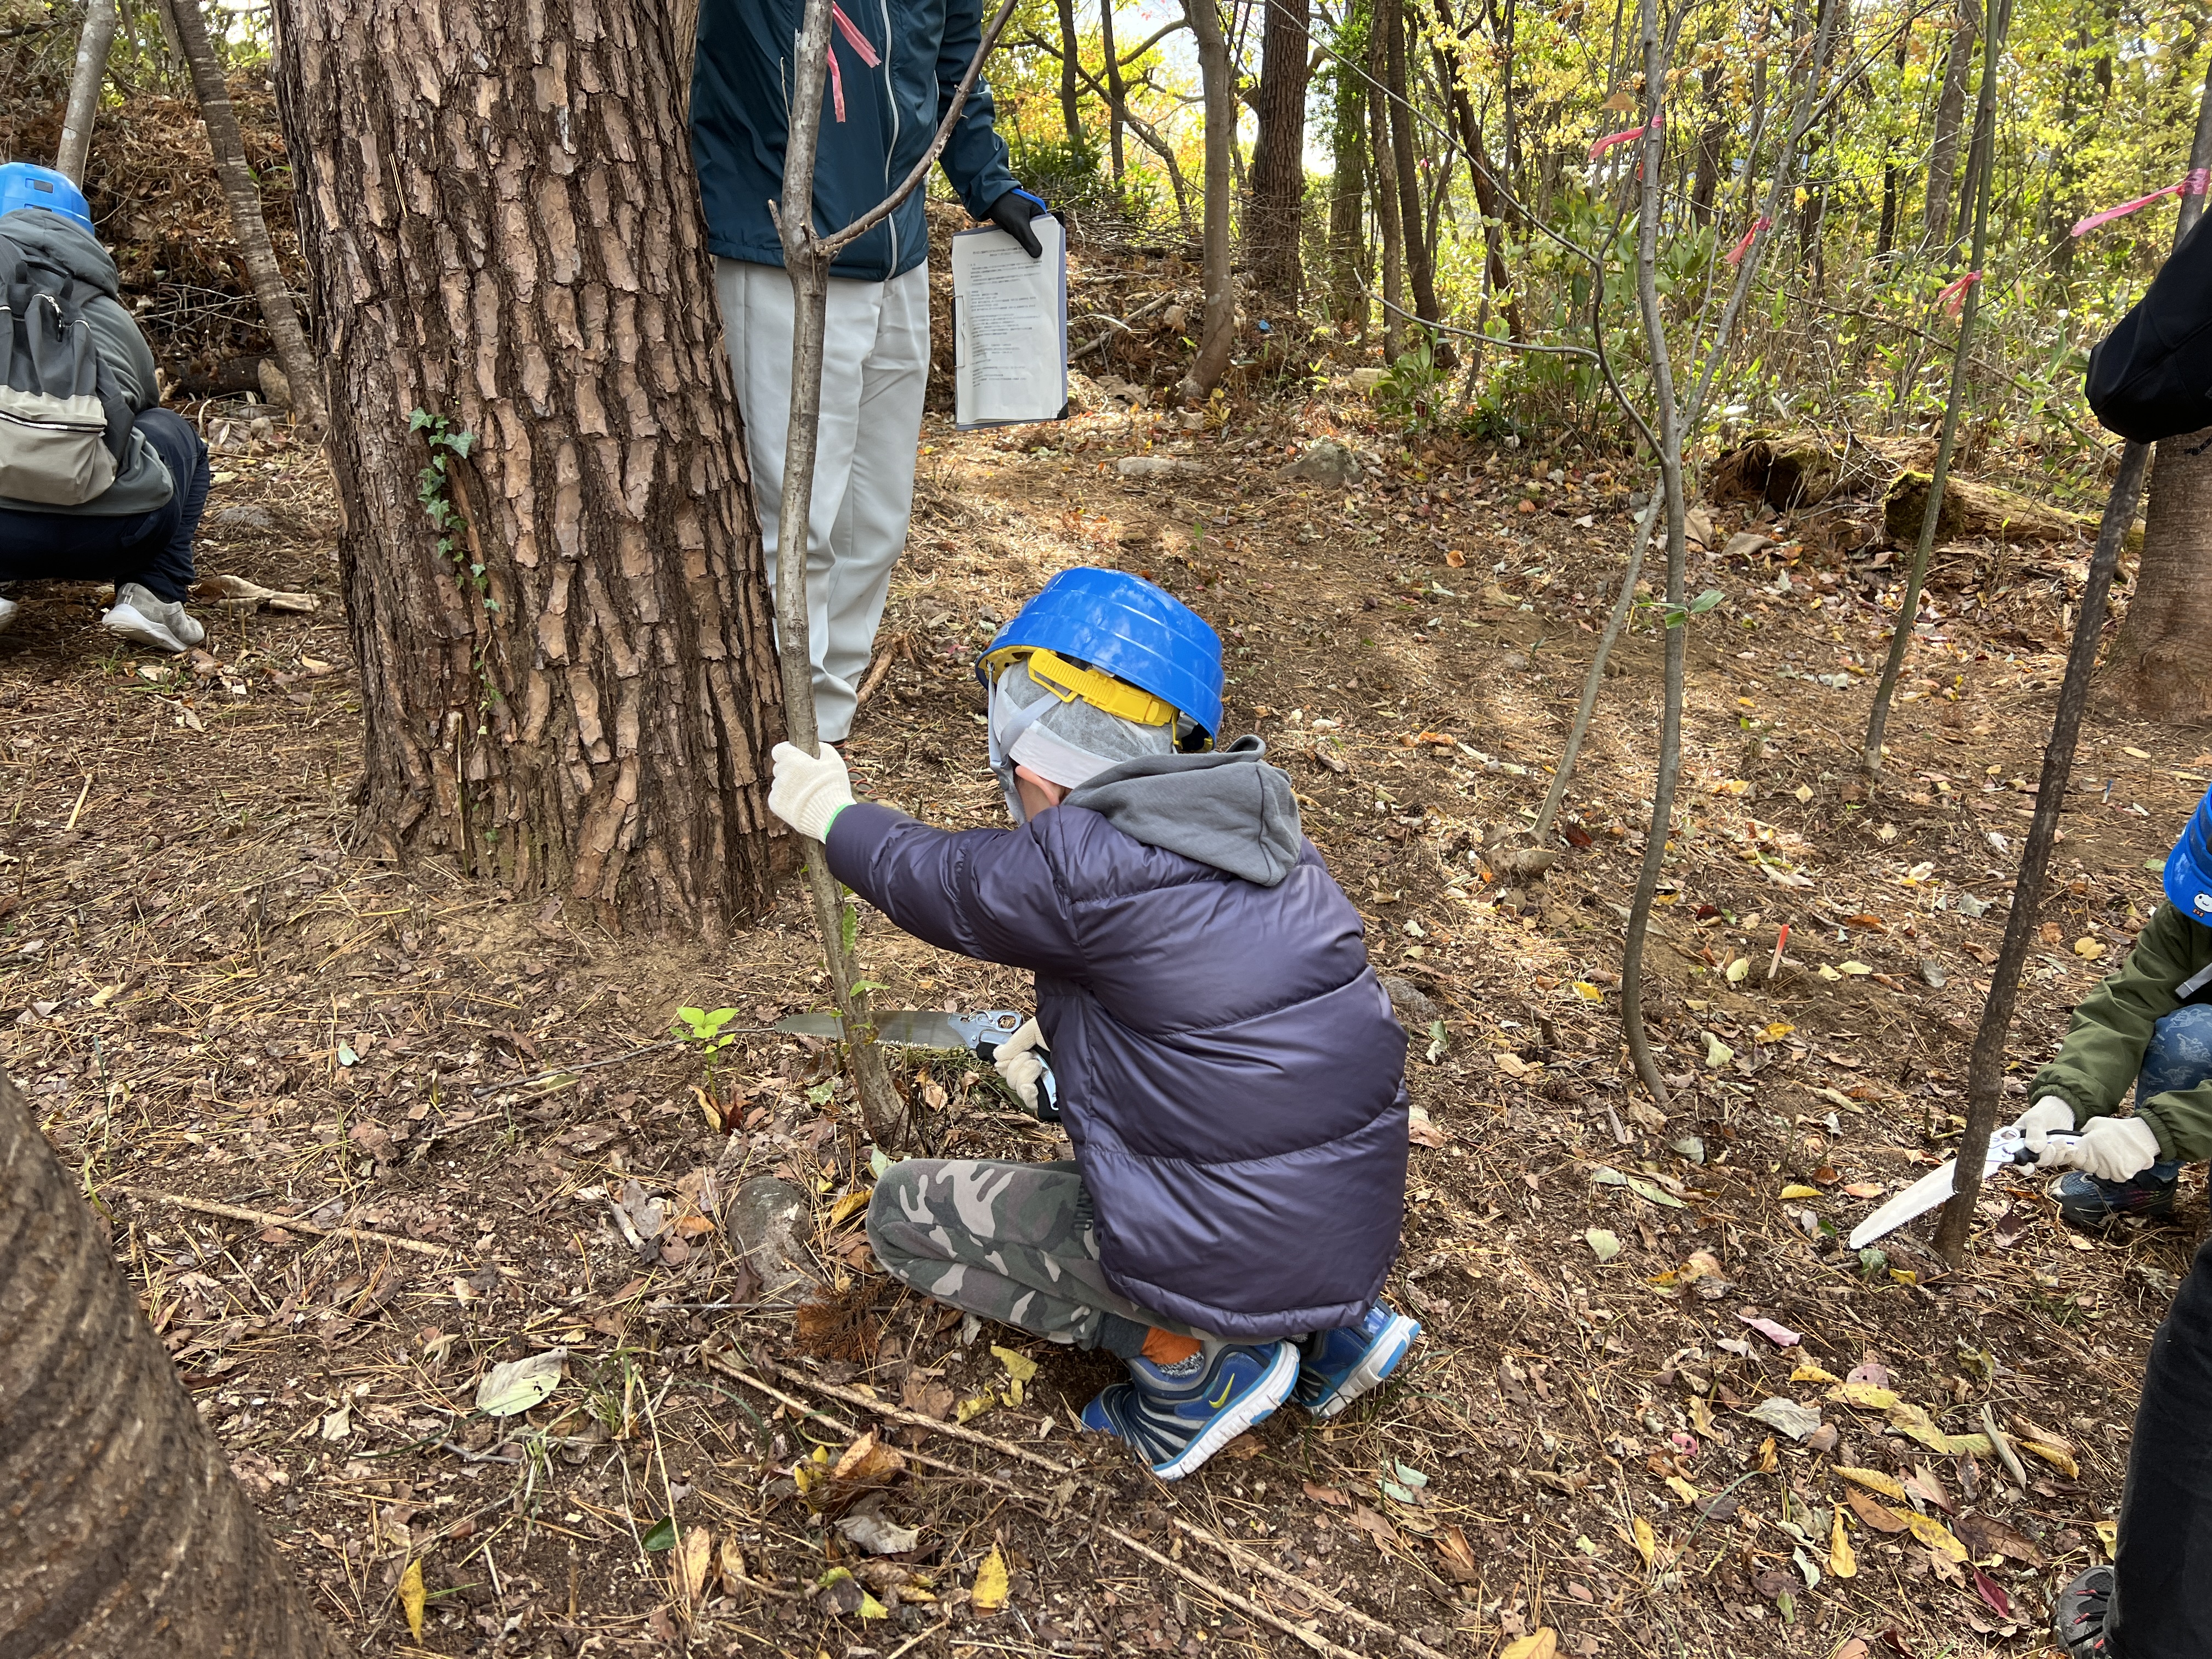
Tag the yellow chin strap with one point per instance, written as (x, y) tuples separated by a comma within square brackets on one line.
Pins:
[(1069, 681)]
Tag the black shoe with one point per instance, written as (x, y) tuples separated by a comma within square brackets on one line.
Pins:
[(2086, 1201), (2078, 1619)]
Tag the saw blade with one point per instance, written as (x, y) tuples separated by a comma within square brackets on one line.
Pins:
[(910, 1027)]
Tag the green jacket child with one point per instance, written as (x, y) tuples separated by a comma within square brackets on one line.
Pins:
[(2149, 1025)]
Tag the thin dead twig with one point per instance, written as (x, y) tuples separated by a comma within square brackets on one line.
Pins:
[(291, 1223), (1307, 1589)]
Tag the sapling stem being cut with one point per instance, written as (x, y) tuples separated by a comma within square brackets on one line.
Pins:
[(807, 258)]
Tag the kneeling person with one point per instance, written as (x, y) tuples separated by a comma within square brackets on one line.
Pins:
[(1228, 1067), (2149, 1026), (98, 482)]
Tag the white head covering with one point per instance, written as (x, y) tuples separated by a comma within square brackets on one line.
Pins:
[(1069, 742)]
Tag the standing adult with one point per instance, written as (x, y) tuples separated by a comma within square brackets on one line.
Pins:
[(894, 65)]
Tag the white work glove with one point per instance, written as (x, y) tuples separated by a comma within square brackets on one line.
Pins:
[(807, 792), (2111, 1149), (1018, 1066), (2038, 1121)]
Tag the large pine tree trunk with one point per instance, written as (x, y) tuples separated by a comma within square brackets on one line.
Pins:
[(122, 1534), (1278, 165), (575, 695)]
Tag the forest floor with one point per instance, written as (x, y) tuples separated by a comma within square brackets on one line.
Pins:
[(211, 999)]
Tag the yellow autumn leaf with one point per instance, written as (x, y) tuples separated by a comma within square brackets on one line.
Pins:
[(1874, 1480), (411, 1596), (1767, 1461), (1681, 1489), (1904, 1275), (1862, 1394), (2058, 1457), (1856, 967), (1738, 970), (871, 1609), (1806, 1371), (1827, 972), (1588, 992), (1701, 1414), (850, 1206), (2091, 948), (1019, 1366), (988, 1594), (2108, 1535), (975, 1406), (1776, 1031), (1841, 1562), (1647, 1543), (1799, 1189), (1934, 1534), (1537, 1644)]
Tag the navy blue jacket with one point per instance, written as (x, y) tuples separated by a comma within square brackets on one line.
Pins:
[(1230, 1070), (741, 85)]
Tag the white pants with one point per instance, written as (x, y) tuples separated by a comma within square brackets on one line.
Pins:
[(875, 368)]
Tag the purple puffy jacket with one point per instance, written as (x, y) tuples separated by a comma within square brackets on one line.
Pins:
[(1230, 1070)]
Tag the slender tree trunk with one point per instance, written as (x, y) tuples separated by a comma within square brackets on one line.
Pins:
[(243, 195), (122, 1534), (1712, 139), (1487, 201), (1272, 225), (1900, 642), (83, 106), (1950, 109), (1347, 199), (570, 691), (1071, 57), (1404, 164), (1117, 98), (1384, 173), (1214, 75), (2158, 670)]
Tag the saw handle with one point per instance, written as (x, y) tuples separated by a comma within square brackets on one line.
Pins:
[(1048, 1101)]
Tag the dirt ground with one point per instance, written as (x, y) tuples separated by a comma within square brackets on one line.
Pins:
[(212, 1000)]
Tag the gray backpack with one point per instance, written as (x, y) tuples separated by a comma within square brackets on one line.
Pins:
[(64, 422)]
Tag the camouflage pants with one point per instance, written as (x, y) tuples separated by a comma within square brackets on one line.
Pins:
[(1011, 1242)]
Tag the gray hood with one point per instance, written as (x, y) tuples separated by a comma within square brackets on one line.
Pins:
[(1228, 809), (68, 244)]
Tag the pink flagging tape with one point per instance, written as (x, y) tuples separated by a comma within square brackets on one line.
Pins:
[(859, 42), (1953, 299), (1735, 254), (1612, 138), (2194, 185)]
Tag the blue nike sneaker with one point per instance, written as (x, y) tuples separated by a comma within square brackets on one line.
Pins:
[(1336, 1367), (1177, 1416)]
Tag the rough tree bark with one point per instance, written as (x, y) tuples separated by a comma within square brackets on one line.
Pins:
[(1382, 172), (1450, 71), (1215, 75), (1420, 254), (1272, 223), (2157, 669), (243, 196), (83, 106), (1118, 97), (576, 694), (122, 1534), (1347, 192), (1950, 111)]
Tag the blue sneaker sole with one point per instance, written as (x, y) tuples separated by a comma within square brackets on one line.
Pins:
[(1379, 1361), (1256, 1404)]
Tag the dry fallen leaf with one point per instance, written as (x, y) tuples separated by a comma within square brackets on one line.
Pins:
[(1879, 1516), (411, 1596), (1986, 1536), (1335, 1495), (988, 1594), (1647, 1543), (1841, 1562), (1458, 1555), (1937, 1536), (1537, 1644), (693, 1555)]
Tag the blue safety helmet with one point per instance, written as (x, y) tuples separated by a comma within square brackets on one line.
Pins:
[(2189, 866), (1123, 626), (23, 185)]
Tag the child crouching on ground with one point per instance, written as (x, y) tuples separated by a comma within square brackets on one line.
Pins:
[(1227, 1066)]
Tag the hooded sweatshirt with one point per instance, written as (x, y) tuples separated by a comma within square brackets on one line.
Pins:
[(145, 484), (1230, 1074)]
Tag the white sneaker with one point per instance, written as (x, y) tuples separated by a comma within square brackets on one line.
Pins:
[(160, 623), (9, 611)]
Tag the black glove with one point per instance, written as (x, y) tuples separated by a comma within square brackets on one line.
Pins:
[(1012, 212)]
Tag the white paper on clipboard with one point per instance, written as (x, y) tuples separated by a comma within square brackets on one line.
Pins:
[(1009, 326)]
